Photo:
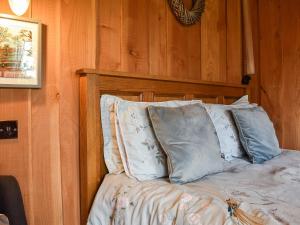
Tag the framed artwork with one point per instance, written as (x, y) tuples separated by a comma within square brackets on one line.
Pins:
[(20, 52)]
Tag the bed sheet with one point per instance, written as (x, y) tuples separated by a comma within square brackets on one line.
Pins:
[(270, 191)]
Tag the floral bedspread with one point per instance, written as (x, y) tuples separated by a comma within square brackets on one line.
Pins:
[(270, 191)]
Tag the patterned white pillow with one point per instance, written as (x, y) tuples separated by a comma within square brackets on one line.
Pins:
[(112, 156), (141, 153), (226, 129)]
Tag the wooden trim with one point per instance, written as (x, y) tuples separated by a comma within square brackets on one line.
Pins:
[(129, 86), (84, 72)]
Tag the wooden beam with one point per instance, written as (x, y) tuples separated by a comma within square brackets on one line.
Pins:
[(249, 64)]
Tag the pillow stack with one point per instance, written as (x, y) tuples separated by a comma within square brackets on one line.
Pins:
[(185, 140), (129, 138)]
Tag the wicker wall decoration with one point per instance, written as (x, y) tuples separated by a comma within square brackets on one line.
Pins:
[(185, 16)]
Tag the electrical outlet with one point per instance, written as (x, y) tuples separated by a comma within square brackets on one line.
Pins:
[(8, 129)]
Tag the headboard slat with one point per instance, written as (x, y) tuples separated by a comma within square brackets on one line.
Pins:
[(132, 87)]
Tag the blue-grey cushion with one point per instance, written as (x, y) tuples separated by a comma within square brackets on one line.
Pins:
[(188, 137), (257, 134)]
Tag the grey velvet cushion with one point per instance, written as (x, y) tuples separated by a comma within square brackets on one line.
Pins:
[(189, 139), (257, 134)]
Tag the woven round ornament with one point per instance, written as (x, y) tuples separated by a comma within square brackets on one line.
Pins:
[(185, 16)]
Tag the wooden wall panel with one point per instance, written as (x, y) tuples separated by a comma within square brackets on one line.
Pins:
[(144, 37), (255, 78), (234, 41), (279, 22), (183, 49), (270, 60), (193, 46), (78, 50), (213, 41), (120, 35), (45, 142), (290, 96), (15, 155), (157, 37), (135, 36), (110, 34), (177, 58)]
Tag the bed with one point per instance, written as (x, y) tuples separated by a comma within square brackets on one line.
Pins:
[(273, 190), (126, 201)]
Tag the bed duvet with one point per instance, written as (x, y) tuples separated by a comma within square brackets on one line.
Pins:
[(270, 191)]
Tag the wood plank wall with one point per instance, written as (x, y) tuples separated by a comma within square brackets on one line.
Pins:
[(121, 35), (279, 25), (45, 157), (143, 36)]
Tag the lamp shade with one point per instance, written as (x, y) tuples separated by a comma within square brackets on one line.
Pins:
[(19, 7)]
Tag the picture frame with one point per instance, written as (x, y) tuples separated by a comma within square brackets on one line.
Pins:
[(20, 52)]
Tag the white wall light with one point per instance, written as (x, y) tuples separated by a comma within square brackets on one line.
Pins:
[(19, 7)]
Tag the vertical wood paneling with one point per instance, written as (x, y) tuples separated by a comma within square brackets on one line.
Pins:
[(279, 22), (78, 50), (213, 41), (144, 37), (255, 78), (193, 46), (45, 143), (184, 49), (135, 36), (15, 155), (234, 41), (123, 35), (290, 96), (157, 37), (109, 23), (270, 60), (177, 64)]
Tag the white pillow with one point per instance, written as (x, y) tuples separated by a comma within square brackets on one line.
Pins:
[(112, 156), (242, 101), (141, 153), (226, 130)]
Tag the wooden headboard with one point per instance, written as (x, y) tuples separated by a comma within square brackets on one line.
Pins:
[(131, 87)]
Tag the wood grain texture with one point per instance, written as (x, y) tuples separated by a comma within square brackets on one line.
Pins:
[(135, 36), (45, 142), (271, 61), (234, 41), (183, 59), (144, 37), (157, 37), (249, 61), (109, 23), (289, 99), (151, 41), (255, 78), (79, 19), (213, 41), (15, 155), (280, 67), (95, 83), (177, 58), (121, 35)]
